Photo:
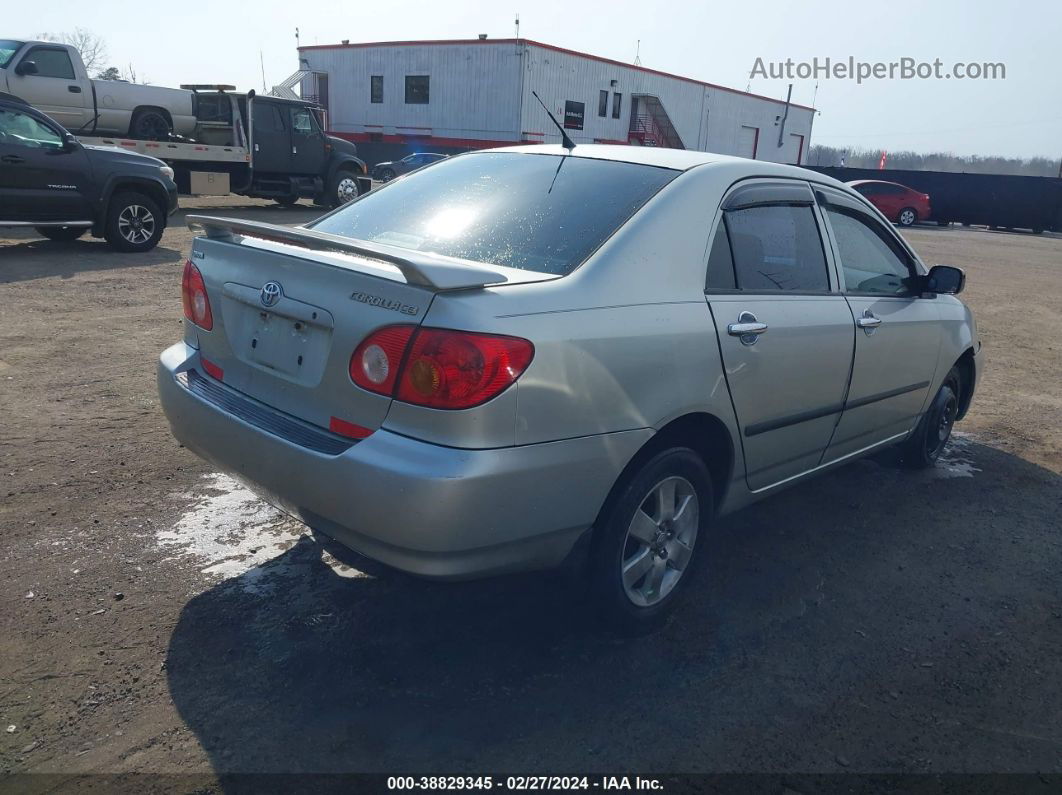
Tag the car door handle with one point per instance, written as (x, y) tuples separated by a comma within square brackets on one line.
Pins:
[(748, 328), (11, 159), (74, 89), (868, 322)]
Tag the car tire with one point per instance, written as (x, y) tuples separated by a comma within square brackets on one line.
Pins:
[(63, 234), (286, 201), (150, 125), (647, 546), (387, 175), (943, 223), (134, 222), (929, 438), (342, 188), (907, 216)]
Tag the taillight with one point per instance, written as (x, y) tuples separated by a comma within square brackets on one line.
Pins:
[(439, 368), (194, 297), (374, 365)]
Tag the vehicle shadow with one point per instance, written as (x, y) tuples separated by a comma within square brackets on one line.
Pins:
[(872, 620), (39, 258)]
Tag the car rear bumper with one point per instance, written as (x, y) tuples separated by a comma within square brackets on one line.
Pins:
[(434, 511)]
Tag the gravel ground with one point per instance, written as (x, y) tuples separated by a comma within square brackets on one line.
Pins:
[(158, 618)]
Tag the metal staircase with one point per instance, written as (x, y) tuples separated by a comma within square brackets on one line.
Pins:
[(650, 124), (284, 89)]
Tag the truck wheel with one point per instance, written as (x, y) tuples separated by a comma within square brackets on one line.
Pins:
[(649, 540), (150, 125), (341, 188), (61, 233), (134, 222)]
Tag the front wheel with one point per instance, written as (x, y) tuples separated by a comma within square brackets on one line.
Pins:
[(342, 188), (62, 234), (134, 222), (927, 442), (907, 216), (650, 539)]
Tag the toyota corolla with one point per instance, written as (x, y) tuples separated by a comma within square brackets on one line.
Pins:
[(529, 357)]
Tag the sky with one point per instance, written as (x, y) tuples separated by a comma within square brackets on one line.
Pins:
[(1019, 116)]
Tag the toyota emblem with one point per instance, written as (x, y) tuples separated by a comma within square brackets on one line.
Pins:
[(271, 293)]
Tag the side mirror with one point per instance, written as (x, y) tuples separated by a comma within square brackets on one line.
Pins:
[(69, 142), (945, 280), (26, 68)]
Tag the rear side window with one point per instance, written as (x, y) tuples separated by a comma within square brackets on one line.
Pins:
[(268, 118), (777, 248), (720, 262), (544, 213), (8, 48), (52, 63)]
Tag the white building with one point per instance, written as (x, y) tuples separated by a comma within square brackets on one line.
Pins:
[(451, 95)]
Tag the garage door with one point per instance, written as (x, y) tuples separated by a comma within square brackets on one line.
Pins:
[(748, 140)]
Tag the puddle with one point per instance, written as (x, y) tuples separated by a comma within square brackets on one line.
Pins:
[(957, 459), (233, 533)]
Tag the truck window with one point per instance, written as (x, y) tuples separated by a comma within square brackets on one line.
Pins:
[(51, 63), (8, 48), (301, 122), (18, 129), (268, 118)]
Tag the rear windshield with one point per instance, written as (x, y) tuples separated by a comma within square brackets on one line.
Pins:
[(544, 213), (8, 48)]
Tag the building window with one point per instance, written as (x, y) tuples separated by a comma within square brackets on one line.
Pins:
[(602, 103), (416, 89), (617, 104), (376, 89)]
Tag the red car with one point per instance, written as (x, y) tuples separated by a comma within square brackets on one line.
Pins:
[(898, 203)]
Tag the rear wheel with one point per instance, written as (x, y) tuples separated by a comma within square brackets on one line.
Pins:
[(387, 174), (287, 201), (150, 125), (61, 233), (907, 216), (650, 540), (925, 445), (134, 222)]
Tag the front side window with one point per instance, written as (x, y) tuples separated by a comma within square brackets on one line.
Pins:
[(52, 63), (416, 89), (871, 263), (376, 89), (301, 121), (18, 129), (543, 213), (8, 48), (777, 248)]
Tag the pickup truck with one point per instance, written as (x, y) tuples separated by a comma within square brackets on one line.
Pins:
[(64, 188), (52, 77)]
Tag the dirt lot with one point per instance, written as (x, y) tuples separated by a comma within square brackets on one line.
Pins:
[(156, 617)]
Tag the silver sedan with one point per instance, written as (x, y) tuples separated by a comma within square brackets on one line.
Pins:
[(531, 357)]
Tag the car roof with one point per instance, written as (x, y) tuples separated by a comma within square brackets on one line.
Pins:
[(13, 99), (677, 159), (875, 182)]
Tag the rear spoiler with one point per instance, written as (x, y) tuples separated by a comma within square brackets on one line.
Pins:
[(435, 272)]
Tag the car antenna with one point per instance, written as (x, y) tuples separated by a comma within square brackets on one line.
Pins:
[(566, 142)]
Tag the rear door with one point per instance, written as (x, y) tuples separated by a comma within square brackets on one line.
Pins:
[(42, 181), (785, 332), (897, 337), (54, 90), (308, 154)]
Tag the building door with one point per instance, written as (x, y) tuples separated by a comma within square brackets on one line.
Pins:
[(748, 142), (798, 147)]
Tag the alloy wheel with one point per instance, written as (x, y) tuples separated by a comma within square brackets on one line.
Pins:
[(136, 224), (659, 542)]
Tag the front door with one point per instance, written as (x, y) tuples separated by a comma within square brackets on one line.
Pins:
[(272, 140), (54, 89), (42, 179), (897, 329), (307, 143), (785, 332)]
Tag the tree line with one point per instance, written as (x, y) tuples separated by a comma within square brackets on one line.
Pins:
[(933, 161)]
